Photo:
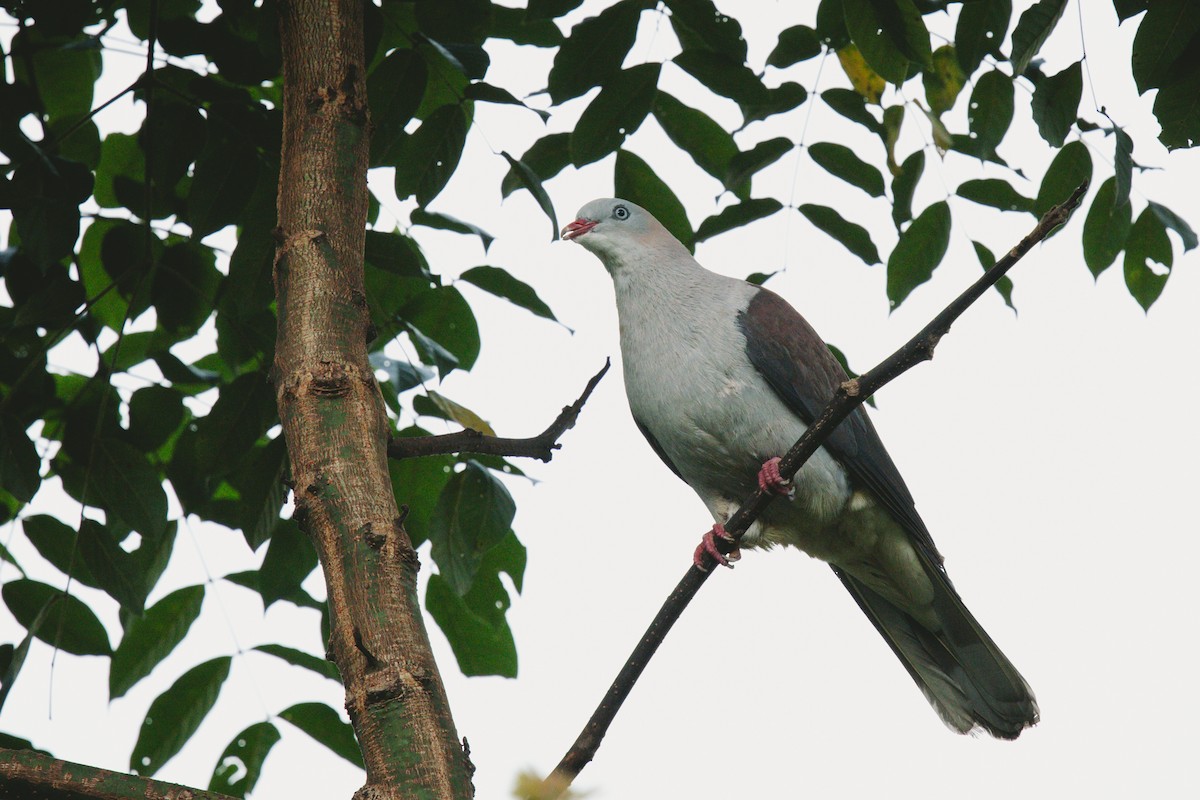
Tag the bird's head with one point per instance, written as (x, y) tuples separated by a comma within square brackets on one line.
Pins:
[(617, 231)]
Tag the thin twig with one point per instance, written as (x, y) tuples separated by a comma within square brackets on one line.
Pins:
[(849, 396), (469, 440)]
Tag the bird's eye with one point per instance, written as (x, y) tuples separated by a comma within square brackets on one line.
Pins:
[(621, 212)]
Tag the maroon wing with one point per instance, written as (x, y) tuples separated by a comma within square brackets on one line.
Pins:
[(796, 363)]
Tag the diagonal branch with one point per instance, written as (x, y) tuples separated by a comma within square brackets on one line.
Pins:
[(541, 446), (849, 396)]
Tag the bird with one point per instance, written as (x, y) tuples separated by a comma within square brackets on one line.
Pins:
[(722, 376)]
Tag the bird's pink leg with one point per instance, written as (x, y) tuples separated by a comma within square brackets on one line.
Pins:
[(708, 544), (769, 479)]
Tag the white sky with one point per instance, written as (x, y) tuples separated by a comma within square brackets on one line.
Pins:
[(1048, 452)]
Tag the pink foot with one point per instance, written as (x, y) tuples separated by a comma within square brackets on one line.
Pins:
[(769, 479), (708, 545)]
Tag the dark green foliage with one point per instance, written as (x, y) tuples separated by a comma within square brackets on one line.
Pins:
[(919, 251), (240, 766), (1056, 103), (323, 724), (854, 237), (176, 714)]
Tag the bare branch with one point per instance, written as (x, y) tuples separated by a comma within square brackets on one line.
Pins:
[(28, 773), (849, 396), (541, 446)]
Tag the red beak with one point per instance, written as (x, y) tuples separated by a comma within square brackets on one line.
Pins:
[(577, 228)]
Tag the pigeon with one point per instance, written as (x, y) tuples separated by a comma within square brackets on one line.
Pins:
[(722, 377)]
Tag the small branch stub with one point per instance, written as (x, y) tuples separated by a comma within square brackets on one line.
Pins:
[(540, 447)]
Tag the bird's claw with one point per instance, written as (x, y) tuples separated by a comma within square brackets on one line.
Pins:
[(708, 546), (770, 481)]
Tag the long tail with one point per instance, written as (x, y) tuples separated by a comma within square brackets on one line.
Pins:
[(959, 669)]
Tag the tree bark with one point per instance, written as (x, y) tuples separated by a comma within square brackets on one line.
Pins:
[(334, 420)]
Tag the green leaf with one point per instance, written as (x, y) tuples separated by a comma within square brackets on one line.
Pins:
[(427, 158), (595, 50), (475, 623), (445, 317), (123, 483), (1169, 28), (944, 81), (1056, 103), (324, 725), (547, 157), (185, 287), (893, 120), (155, 413), (996, 193), (395, 89), (116, 571), (176, 714), (486, 93), (502, 284), (831, 24), (529, 179), (240, 766), (841, 162), (854, 238), (851, 105), (11, 660), (64, 71), (20, 465), (694, 132), (919, 251), (1129, 8), (723, 75), (889, 35), (299, 658), (797, 43), (1176, 223), (635, 181), (1071, 167), (698, 24), (1122, 166), (736, 216), (151, 638), (445, 222), (614, 114), (981, 30), (242, 414), (1147, 242), (289, 560), (473, 513), (904, 185), (418, 484), (1105, 229), (225, 175), (397, 254), (55, 542), (744, 165), (781, 98), (1177, 107), (1033, 28), (991, 109), (1004, 285), (68, 624)]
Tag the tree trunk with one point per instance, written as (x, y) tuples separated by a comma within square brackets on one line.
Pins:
[(334, 420)]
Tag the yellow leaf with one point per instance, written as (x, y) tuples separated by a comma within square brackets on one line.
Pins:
[(865, 80), (942, 138), (944, 81), (893, 117), (530, 787), (461, 414)]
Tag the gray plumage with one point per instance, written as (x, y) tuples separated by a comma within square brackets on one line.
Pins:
[(722, 375)]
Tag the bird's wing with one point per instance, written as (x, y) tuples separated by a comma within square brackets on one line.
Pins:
[(797, 364)]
